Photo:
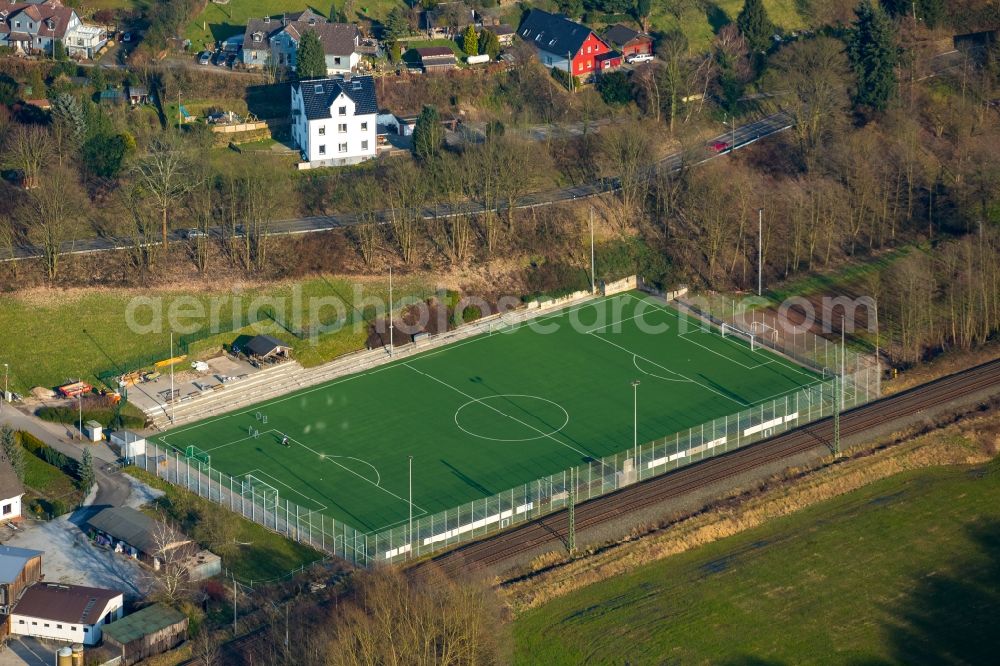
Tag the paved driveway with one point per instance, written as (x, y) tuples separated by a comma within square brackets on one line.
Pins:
[(26, 651)]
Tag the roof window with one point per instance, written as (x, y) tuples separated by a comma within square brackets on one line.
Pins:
[(318, 88)]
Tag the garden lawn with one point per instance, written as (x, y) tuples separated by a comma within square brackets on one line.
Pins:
[(700, 22), (57, 337), (906, 570)]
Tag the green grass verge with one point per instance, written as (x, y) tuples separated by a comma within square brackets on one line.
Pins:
[(700, 22), (906, 570), (491, 413), (105, 340), (270, 555)]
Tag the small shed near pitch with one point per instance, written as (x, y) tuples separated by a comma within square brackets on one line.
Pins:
[(145, 633), (93, 431), (130, 444), (135, 534), (265, 347)]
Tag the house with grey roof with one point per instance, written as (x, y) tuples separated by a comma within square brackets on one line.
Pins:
[(334, 120), (275, 40), (131, 532)]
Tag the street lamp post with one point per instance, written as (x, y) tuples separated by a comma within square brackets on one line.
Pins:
[(409, 533), (635, 426), (760, 251), (6, 374)]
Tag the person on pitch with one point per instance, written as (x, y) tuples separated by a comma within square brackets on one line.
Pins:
[(284, 440)]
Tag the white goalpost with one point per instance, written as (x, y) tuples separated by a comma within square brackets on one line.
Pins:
[(260, 492), (749, 336)]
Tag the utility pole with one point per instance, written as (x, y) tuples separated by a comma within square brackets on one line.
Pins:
[(760, 251), (593, 262), (390, 311), (6, 377), (569, 71)]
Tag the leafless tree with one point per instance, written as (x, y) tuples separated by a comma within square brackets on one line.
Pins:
[(141, 223), (171, 579), (28, 149), (451, 230), (394, 621), (627, 149), (8, 238), (205, 649), (52, 214), (165, 174), (366, 196), (406, 194), (808, 81), (202, 209)]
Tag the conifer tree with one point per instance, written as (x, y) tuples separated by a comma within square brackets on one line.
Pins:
[(872, 51)]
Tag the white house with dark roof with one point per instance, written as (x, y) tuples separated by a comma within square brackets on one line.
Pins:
[(34, 27), (61, 612), (11, 490), (276, 40), (334, 120)]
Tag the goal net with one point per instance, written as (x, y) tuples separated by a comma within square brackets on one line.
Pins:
[(260, 492), (764, 331), (728, 330), (194, 453)]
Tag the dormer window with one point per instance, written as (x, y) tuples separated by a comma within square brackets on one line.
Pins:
[(312, 21), (267, 19), (318, 89), (258, 36)]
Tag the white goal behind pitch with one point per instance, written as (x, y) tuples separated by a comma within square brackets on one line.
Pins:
[(260, 492), (736, 332)]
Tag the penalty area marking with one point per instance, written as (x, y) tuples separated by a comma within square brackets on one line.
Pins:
[(541, 434)]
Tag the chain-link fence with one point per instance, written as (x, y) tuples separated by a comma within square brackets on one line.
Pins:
[(843, 376)]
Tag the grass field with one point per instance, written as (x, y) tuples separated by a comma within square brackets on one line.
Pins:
[(492, 412), (906, 570), (701, 21), (101, 339)]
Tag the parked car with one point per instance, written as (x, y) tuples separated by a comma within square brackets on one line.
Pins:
[(719, 146), (638, 57), (231, 60), (191, 234), (219, 59), (126, 36), (204, 58)]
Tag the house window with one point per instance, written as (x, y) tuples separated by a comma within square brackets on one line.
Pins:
[(579, 67), (34, 624), (58, 626), (364, 145), (364, 127), (342, 127), (590, 64), (86, 630), (322, 149), (7, 508), (20, 621), (342, 111), (46, 625), (322, 130), (341, 147), (336, 60)]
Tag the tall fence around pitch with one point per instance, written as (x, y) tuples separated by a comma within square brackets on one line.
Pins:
[(845, 379)]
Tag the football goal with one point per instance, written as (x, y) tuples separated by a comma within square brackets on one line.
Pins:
[(260, 492), (728, 330), (194, 453)]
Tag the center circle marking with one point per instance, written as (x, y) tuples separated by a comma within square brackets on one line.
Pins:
[(511, 395)]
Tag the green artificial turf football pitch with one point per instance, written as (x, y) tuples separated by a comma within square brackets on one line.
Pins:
[(492, 412)]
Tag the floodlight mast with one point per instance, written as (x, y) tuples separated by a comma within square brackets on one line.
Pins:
[(635, 427), (389, 308)]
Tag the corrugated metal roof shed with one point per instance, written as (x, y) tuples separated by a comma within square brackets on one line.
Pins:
[(143, 622), (13, 561)]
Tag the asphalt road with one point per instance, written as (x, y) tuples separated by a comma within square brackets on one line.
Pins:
[(742, 136)]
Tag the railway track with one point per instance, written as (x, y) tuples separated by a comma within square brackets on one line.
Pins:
[(552, 528)]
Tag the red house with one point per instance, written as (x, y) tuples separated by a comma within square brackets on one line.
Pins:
[(567, 45), (628, 41)]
